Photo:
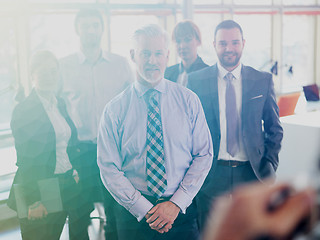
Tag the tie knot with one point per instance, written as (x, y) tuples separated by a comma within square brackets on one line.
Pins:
[(151, 96), (229, 77)]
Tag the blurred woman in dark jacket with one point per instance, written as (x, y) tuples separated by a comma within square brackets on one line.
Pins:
[(46, 146), (187, 38)]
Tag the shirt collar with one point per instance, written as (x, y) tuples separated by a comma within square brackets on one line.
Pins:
[(182, 69), (236, 72), (142, 89), (82, 57), (47, 103)]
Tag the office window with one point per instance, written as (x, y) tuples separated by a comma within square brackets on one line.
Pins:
[(63, 1), (298, 2), (122, 28), (207, 2), (207, 23), (297, 51), (252, 2), (54, 32), (257, 33), (8, 71), (136, 2)]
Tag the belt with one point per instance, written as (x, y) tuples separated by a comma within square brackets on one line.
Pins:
[(65, 175), (232, 163), (155, 200)]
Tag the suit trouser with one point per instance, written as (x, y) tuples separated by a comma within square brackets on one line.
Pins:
[(222, 180), (93, 188), (185, 227)]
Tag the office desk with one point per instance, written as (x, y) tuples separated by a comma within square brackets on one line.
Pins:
[(300, 146)]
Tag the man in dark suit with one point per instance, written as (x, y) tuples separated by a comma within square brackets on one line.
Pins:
[(243, 117)]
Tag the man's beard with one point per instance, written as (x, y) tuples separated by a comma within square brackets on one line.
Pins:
[(227, 63)]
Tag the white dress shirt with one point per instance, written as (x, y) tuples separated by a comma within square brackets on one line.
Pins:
[(222, 84), (122, 146), (62, 131), (86, 88)]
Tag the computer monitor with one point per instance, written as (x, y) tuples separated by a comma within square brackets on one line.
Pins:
[(311, 92)]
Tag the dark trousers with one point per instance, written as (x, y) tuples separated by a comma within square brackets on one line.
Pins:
[(110, 228), (220, 181), (50, 227), (185, 226), (47, 228), (93, 189)]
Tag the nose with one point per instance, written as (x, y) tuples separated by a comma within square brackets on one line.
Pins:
[(228, 47), (152, 59), (181, 44), (90, 28)]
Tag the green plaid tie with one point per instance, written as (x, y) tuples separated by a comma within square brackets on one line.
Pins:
[(156, 173)]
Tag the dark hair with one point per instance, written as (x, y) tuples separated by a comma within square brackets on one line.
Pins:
[(186, 27), (87, 13), (227, 24), (38, 59)]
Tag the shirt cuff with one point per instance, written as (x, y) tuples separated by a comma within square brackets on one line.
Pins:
[(181, 199), (140, 208)]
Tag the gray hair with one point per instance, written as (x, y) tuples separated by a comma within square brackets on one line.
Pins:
[(151, 30)]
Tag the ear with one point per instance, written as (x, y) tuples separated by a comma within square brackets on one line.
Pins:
[(132, 55), (243, 43), (167, 57)]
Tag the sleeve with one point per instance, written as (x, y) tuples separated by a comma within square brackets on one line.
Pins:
[(272, 128), (110, 163), (27, 151), (202, 156)]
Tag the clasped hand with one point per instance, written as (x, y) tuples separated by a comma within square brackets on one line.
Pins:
[(162, 216), (37, 211)]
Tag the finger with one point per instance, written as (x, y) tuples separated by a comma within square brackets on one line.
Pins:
[(167, 227), (160, 230), (147, 216), (299, 206), (156, 224), (153, 210), (153, 217)]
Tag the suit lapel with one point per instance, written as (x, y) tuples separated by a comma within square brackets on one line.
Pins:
[(42, 116), (214, 90), (247, 88)]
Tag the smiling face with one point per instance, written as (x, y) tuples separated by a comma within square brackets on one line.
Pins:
[(229, 45), (150, 56)]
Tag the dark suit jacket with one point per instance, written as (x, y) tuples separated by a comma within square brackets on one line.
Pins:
[(35, 144), (172, 72), (261, 129)]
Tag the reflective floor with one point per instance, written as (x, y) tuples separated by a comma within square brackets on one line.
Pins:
[(96, 231)]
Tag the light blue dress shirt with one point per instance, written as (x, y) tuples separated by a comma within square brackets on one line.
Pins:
[(122, 146)]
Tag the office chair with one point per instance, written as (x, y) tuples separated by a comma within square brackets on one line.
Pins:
[(287, 103)]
